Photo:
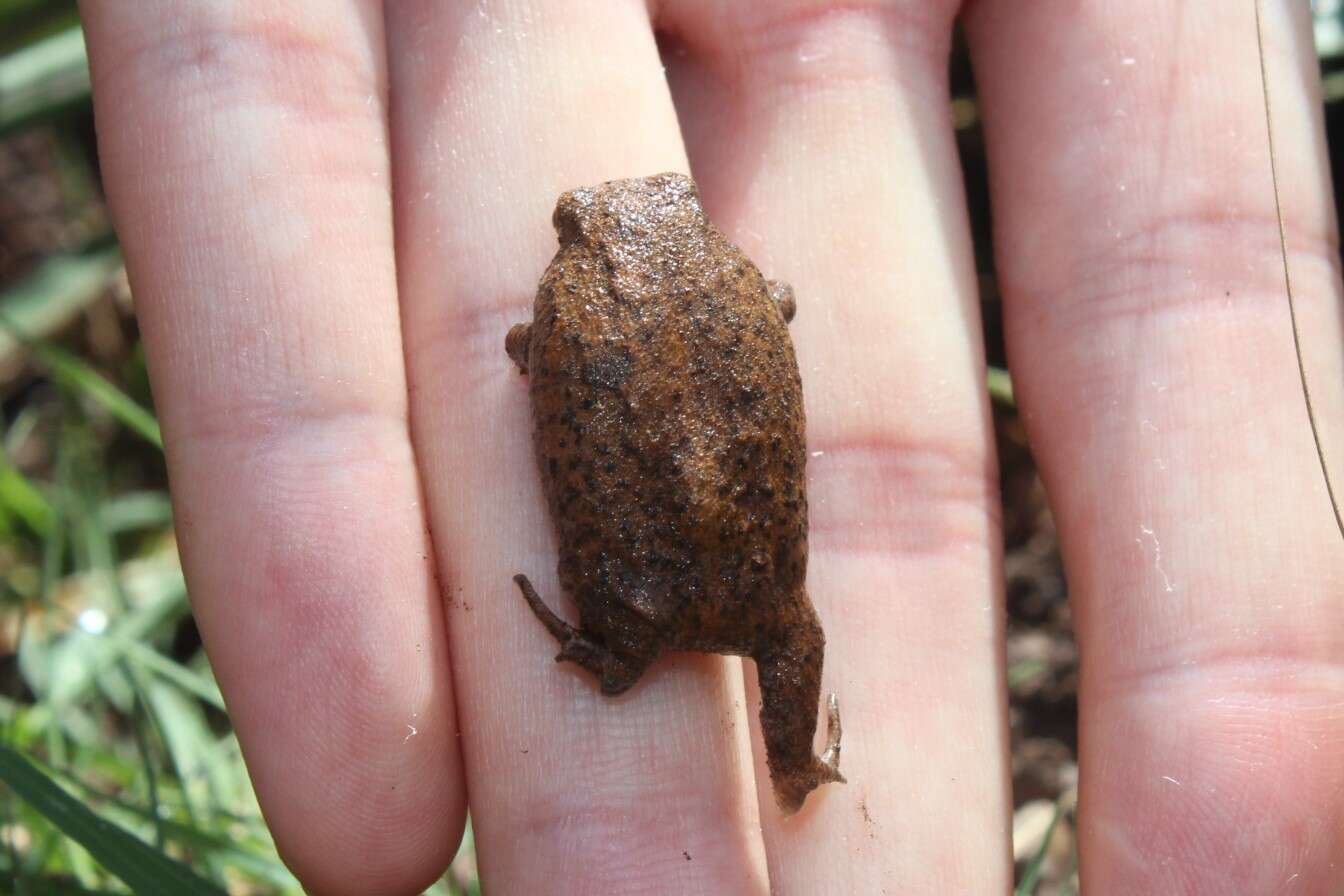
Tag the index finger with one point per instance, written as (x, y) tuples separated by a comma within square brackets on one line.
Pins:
[(244, 150)]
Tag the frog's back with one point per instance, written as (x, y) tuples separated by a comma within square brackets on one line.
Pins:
[(668, 408)]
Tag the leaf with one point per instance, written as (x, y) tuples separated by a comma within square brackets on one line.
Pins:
[(144, 869)]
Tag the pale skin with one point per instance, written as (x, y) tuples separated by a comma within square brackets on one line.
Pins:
[(333, 210)]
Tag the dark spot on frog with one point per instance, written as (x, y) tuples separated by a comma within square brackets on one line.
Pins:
[(608, 369), (669, 433)]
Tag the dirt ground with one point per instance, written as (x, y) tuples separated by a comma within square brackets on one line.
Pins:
[(1042, 667)]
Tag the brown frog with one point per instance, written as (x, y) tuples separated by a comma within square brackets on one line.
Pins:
[(670, 437)]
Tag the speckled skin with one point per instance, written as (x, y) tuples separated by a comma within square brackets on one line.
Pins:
[(670, 438)]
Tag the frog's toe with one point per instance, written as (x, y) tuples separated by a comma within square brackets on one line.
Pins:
[(831, 775), (830, 760), (616, 673), (580, 650), (560, 630), (575, 646)]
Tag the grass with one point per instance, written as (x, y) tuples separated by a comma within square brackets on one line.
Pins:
[(141, 782)]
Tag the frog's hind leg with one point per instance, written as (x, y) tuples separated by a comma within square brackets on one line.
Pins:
[(789, 671), (616, 672), (575, 646)]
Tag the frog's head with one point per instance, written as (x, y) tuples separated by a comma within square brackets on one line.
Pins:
[(647, 201)]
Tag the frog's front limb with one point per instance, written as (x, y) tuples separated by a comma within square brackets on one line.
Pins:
[(516, 343), (616, 672), (789, 671), (782, 294)]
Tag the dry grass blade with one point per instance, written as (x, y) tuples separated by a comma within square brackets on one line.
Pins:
[(1287, 278)]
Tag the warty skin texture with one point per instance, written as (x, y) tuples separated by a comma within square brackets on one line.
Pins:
[(670, 437)]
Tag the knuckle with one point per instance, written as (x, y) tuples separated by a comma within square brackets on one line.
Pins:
[(467, 343), (294, 431), (827, 44), (270, 61), (886, 493), (1197, 262)]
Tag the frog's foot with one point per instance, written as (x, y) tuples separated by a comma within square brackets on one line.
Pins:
[(792, 785), (782, 294), (789, 672), (516, 343), (616, 672)]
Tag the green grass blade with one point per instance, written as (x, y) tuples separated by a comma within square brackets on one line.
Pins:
[(49, 75), (47, 886), (257, 860), (239, 843), (1001, 387), (12, 10), (1032, 874), (81, 657), (187, 738), (23, 501), (1025, 670), (52, 296), (25, 22), (72, 371), (145, 870), (200, 686), (136, 510)]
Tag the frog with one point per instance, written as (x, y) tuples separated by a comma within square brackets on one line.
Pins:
[(670, 437)]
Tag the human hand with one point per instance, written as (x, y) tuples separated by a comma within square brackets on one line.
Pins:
[(333, 211)]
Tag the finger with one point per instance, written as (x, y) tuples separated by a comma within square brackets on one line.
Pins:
[(1154, 365), (245, 154), (821, 135), (499, 108)]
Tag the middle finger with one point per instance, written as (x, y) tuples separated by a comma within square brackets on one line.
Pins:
[(822, 138), (497, 108)]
